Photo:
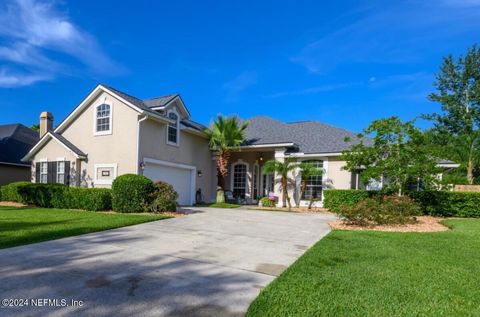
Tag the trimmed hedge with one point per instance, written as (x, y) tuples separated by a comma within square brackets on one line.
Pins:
[(132, 193), (94, 199), (335, 198), (58, 196), (448, 204), (435, 203)]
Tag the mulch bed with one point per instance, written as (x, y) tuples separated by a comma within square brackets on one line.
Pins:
[(423, 224), (295, 209), (12, 204)]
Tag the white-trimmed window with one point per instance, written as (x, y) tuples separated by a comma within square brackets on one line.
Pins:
[(172, 129), (43, 172), (314, 186), (240, 180), (103, 119), (61, 172)]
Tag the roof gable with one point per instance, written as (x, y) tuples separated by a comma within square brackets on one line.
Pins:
[(58, 138)]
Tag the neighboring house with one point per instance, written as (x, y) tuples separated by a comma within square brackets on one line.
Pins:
[(111, 133), (15, 141)]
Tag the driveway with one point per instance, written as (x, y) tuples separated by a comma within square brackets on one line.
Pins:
[(211, 263)]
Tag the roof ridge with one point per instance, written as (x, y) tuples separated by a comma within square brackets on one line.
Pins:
[(169, 95)]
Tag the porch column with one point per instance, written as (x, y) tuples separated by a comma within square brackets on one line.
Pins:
[(279, 156), (213, 187)]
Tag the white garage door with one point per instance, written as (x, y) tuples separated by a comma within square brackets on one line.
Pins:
[(179, 178)]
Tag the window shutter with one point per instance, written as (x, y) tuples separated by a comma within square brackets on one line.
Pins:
[(52, 172), (37, 172), (66, 177)]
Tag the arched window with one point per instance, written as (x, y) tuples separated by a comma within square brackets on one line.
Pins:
[(172, 133), (103, 119), (314, 183)]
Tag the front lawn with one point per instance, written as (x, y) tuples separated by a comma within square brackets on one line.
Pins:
[(364, 273), (25, 225)]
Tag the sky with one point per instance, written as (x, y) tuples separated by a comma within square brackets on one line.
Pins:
[(345, 63)]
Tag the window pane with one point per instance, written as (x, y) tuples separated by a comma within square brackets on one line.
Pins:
[(240, 180), (173, 128), (103, 118), (314, 186)]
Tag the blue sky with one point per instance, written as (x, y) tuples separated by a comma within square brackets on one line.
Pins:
[(341, 62)]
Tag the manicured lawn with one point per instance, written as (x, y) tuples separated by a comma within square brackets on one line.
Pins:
[(26, 225), (219, 205), (352, 273)]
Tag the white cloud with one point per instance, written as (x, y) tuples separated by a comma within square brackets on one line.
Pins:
[(392, 33), (34, 29), (9, 79)]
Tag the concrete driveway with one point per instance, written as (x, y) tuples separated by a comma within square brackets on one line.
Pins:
[(210, 263)]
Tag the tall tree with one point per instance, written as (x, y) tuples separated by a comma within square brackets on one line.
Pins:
[(283, 169), (395, 150), (225, 134), (307, 170), (456, 129)]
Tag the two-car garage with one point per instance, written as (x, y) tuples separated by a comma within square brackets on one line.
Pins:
[(180, 176)]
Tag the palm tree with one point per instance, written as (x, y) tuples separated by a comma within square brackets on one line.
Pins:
[(307, 170), (282, 169), (225, 134)]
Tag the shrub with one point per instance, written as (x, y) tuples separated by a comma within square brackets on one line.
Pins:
[(94, 199), (58, 196), (334, 199), (10, 192), (267, 202), (163, 198), (381, 211), (131, 193), (448, 204)]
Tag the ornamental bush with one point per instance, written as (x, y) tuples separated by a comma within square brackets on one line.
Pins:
[(267, 202), (132, 193), (381, 211), (164, 198)]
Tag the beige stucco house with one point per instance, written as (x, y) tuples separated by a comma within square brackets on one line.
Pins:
[(111, 133)]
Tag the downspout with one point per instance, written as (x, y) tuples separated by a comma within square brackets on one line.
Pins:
[(139, 170)]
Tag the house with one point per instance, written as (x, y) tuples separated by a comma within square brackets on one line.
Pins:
[(111, 133), (15, 141)]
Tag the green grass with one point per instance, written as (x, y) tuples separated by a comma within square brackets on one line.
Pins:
[(218, 205), (19, 226), (354, 273)]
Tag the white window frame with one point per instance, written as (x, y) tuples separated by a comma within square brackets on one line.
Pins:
[(110, 119), (105, 181), (178, 128), (248, 176), (43, 161), (60, 160), (325, 182)]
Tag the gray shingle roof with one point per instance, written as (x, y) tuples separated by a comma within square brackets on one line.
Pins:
[(310, 136), (159, 101), (193, 125), (68, 144), (15, 141), (143, 104)]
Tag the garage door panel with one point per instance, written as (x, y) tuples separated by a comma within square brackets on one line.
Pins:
[(179, 178)]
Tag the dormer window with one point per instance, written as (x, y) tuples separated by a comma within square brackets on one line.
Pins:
[(103, 119), (172, 130)]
